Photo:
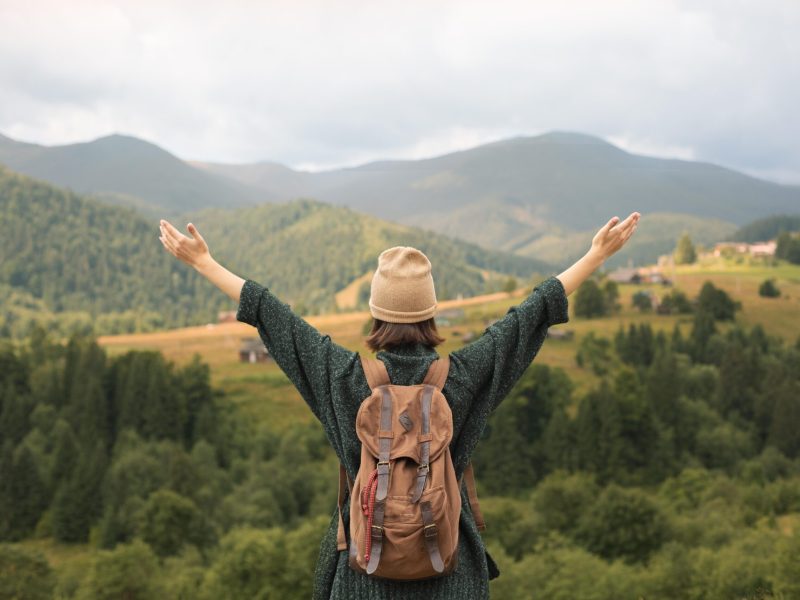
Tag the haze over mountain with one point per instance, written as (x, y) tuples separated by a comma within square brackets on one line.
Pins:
[(534, 195), (129, 171), (541, 196), (62, 252)]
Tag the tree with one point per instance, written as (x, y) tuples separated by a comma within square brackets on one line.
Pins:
[(590, 301), (169, 520), (676, 302), (25, 574), (717, 302), (594, 353), (642, 301), (128, 571), (623, 523), (685, 253), (768, 289)]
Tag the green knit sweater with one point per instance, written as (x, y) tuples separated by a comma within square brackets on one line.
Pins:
[(332, 382)]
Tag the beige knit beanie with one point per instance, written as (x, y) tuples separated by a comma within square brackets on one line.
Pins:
[(402, 288)]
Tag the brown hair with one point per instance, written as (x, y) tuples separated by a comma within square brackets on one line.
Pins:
[(385, 335)]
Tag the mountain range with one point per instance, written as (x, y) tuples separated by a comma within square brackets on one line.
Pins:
[(541, 196)]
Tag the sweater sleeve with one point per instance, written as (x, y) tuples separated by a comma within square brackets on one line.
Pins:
[(492, 364), (311, 361)]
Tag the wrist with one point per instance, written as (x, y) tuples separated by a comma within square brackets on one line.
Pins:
[(204, 264), (595, 258)]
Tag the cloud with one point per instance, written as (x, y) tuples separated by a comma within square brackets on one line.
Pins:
[(331, 83)]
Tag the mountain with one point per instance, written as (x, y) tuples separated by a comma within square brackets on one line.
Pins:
[(511, 194), (127, 171), (63, 253)]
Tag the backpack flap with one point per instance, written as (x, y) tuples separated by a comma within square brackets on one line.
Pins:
[(406, 431)]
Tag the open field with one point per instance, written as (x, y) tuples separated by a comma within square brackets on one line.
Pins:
[(264, 392)]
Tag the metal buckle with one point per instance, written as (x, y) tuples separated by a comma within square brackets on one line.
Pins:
[(430, 531), (377, 531), (426, 467), (383, 462)]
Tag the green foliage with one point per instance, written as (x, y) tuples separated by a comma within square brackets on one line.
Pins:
[(642, 301), (717, 302), (768, 289), (623, 523), (170, 520), (128, 571), (24, 574), (676, 302), (594, 353), (767, 229), (685, 253), (590, 301), (788, 248)]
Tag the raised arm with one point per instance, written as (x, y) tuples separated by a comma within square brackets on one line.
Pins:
[(610, 238), (491, 365), (195, 253), (311, 360)]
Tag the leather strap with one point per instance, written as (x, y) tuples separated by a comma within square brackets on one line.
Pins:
[(375, 371), (472, 494), (425, 445), (384, 448), (344, 482), (437, 373), (431, 535)]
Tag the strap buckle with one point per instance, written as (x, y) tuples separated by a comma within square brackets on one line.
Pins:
[(424, 468), (430, 531), (383, 462), (377, 531)]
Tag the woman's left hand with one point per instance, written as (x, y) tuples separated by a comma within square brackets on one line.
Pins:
[(191, 250)]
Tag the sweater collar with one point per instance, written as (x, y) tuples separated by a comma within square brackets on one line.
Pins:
[(417, 349)]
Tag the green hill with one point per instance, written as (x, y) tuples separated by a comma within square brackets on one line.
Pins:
[(767, 229), (510, 194), (128, 171), (104, 264)]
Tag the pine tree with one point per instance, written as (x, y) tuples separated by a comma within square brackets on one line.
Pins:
[(685, 253)]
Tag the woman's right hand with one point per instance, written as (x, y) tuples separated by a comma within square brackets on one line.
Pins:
[(613, 235), (191, 250)]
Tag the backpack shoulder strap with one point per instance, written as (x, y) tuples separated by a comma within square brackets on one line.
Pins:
[(437, 373), (472, 494), (375, 371)]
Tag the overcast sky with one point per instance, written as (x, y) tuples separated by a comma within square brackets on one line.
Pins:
[(335, 82)]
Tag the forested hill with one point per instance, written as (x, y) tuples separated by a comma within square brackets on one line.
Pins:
[(306, 249), (63, 252), (535, 195)]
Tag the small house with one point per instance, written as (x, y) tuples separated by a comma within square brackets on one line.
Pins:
[(252, 350)]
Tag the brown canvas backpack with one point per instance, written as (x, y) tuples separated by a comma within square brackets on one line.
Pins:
[(405, 502)]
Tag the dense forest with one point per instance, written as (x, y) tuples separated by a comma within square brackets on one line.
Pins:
[(75, 265), (677, 476)]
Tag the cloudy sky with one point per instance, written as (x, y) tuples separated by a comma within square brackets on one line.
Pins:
[(338, 82)]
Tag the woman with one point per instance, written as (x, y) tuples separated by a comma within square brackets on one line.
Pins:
[(331, 380)]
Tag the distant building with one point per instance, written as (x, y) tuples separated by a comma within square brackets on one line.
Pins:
[(252, 350), (625, 275), (445, 318), (641, 275), (560, 334), (226, 316), (754, 249)]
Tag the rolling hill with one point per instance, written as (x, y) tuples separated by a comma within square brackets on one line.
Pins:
[(538, 194), (77, 254)]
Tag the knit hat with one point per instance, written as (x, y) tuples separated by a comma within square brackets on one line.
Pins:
[(402, 288)]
